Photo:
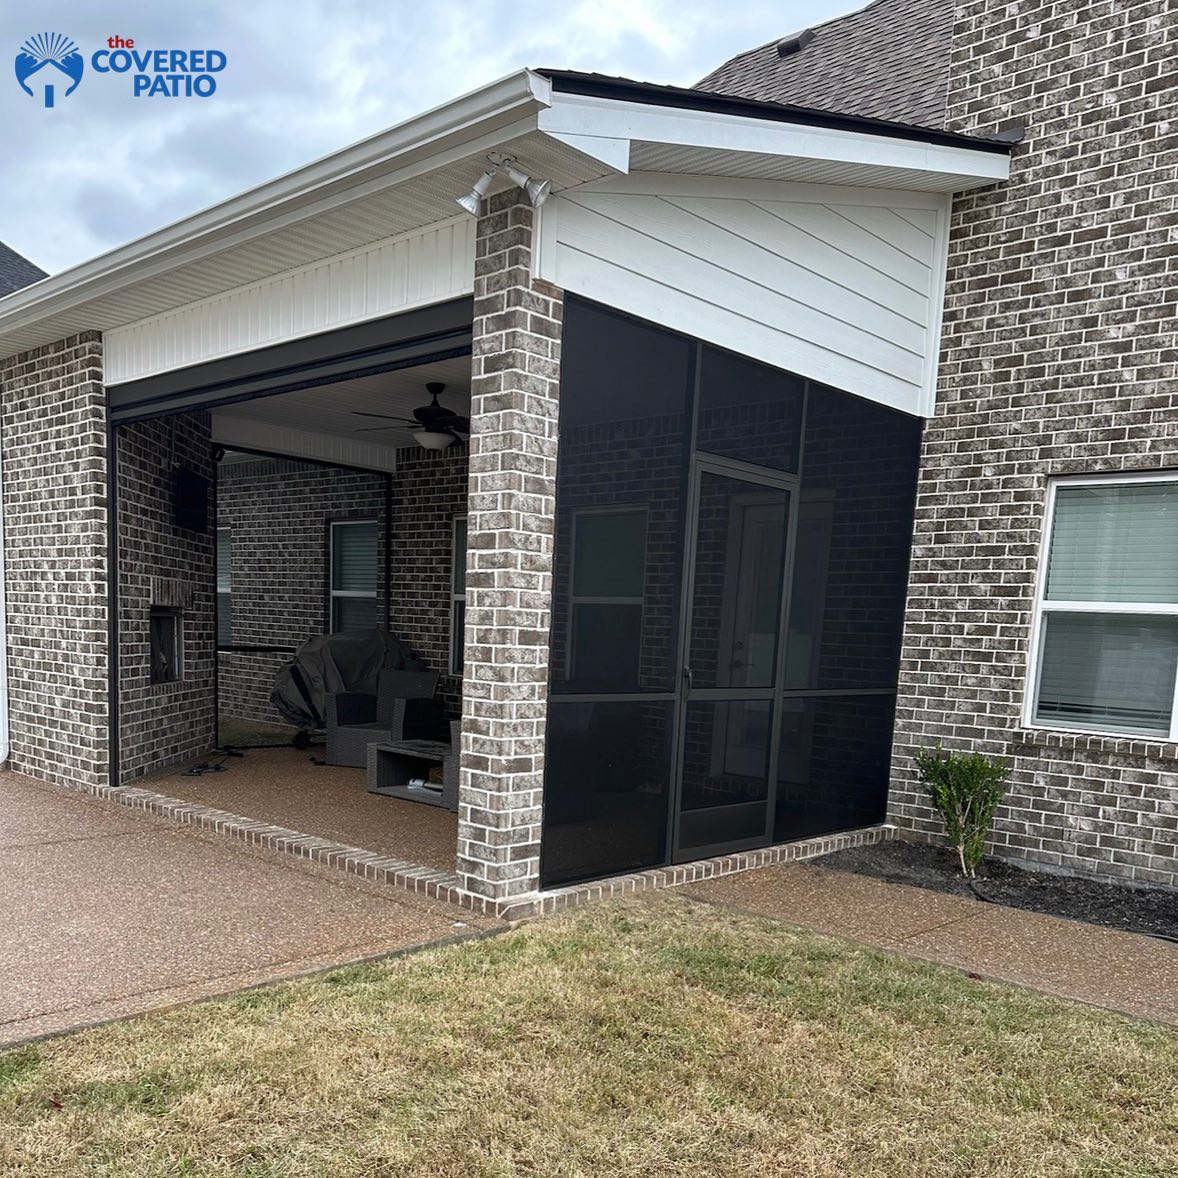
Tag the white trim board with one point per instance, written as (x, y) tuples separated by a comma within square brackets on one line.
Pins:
[(840, 284)]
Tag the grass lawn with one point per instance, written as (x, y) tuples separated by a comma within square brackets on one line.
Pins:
[(652, 1037)]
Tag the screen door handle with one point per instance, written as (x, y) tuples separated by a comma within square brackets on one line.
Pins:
[(688, 677)]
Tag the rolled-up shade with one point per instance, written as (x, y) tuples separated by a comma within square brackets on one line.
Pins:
[(1115, 543)]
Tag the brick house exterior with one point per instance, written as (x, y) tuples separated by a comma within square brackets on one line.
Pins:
[(1059, 357), (1039, 308)]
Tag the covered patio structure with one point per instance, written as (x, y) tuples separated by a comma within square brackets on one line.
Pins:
[(698, 340)]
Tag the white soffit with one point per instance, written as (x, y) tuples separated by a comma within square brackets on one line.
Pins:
[(839, 284)]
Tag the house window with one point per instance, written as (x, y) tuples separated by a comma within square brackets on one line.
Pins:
[(224, 587), (1106, 648), (166, 644), (457, 594), (353, 576), (607, 579)]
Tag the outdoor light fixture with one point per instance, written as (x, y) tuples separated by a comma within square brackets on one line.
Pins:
[(432, 440), (471, 203), (537, 190)]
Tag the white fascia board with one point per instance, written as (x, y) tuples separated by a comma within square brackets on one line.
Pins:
[(470, 125), (576, 114), (245, 433)]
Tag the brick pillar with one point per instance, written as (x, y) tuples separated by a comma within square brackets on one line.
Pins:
[(53, 430), (514, 394)]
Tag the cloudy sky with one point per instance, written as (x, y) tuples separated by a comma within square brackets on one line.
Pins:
[(304, 77)]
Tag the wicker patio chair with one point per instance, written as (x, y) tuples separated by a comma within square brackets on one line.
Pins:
[(402, 709)]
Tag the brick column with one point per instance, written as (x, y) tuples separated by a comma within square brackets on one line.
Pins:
[(53, 430), (514, 393)]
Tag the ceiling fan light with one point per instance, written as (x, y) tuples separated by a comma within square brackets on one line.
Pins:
[(432, 440)]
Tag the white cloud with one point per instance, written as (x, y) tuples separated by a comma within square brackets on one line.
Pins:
[(305, 77)]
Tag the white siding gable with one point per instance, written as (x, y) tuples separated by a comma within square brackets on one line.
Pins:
[(843, 285)]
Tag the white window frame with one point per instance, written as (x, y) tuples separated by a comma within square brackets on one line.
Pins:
[(332, 591), (575, 599), (1043, 606), (457, 637)]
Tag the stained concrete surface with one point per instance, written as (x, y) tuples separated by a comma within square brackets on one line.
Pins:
[(1121, 971), (106, 912), (284, 787)]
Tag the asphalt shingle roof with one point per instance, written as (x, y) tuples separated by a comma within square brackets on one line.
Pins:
[(16, 271), (889, 60)]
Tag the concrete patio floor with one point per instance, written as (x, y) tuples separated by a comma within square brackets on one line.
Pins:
[(106, 912), (285, 786), (1133, 974)]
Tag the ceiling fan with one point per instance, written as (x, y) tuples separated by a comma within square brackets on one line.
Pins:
[(435, 426)]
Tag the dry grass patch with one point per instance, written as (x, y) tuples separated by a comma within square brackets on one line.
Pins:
[(653, 1037)]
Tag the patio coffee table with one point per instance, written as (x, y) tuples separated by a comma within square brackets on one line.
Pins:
[(391, 766)]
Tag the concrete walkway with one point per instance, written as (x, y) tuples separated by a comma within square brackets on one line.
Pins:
[(1133, 974), (106, 912)]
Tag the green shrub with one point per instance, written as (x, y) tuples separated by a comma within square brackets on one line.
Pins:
[(966, 788)]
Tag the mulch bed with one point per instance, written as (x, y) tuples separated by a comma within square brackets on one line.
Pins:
[(1153, 911)]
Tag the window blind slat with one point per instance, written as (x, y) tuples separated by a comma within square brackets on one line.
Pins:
[(1115, 543), (224, 556), (1108, 671), (353, 558)]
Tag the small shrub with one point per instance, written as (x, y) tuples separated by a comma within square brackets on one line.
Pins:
[(966, 788)]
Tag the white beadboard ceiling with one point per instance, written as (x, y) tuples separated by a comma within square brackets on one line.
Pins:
[(328, 413)]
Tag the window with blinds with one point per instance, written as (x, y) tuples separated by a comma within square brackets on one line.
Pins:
[(457, 594), (224, 587), (353, 576), (1107, 651)]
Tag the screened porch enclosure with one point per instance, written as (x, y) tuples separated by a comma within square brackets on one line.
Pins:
[(731, 559)]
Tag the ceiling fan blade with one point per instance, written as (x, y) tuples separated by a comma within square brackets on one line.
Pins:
[(386, 416), (376, 429), (458, 425)]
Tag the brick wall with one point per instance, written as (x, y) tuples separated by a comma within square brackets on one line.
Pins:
[(279, 512), (162, 564), (1058, 357), (429, 490), (514, 387), (53, 423)]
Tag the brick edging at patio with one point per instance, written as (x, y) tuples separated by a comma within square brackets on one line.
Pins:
[(575, 895), (386, 869), (445, 886)]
